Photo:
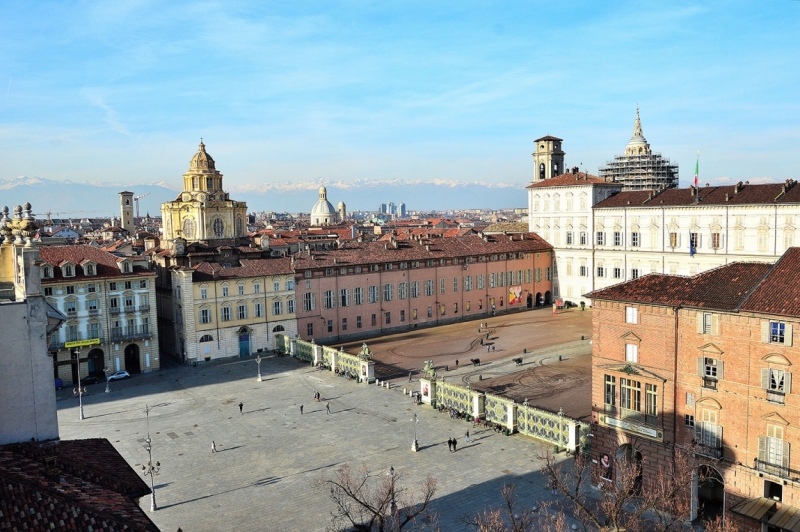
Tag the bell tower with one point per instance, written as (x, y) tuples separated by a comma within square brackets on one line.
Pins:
[(548, 159), (126, 211)]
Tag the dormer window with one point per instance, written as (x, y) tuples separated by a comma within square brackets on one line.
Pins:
[(47, 272), (89, 269), (126, 267), (68, 271)]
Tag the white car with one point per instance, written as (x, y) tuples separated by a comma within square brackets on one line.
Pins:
[(119, 376)]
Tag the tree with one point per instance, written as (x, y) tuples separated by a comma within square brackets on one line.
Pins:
[(366, 501), (509, 517), (629, 501)]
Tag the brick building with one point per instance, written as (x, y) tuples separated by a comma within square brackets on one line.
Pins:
[(705, 363), (371, 288)]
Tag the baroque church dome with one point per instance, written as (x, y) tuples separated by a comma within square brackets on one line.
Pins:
[(201, 160), (323, 212)]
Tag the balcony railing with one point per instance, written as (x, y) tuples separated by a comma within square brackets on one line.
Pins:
[(93, 312), (709, 383), (708, 450), (144, 308), (72, 312), (130, 308), (777, 469), (774, 396), (130, 333), (114, 310)]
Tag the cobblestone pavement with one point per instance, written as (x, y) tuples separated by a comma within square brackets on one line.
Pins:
[(261, 478)]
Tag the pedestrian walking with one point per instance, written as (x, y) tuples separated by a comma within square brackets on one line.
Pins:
[(466, 437), (328, 407), (488, 348), (456, 362), (493, 348), (213, 446), (409, 376), (455, 441), (554, 309), (301, 410), (450, 444), (241, 405)]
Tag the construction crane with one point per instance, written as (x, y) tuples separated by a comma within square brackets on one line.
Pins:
[(136, 201)]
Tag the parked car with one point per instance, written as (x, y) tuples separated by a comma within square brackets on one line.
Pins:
[(90, 379), (119, 376)]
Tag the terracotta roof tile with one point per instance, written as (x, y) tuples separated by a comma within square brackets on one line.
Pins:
[(571, 180), (72, 484), (106, 263), (362, 253), (739, 194), (723, 288), (779, 292), (208, 271)]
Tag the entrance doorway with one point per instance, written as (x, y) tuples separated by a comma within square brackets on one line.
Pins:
[(629, 467), (548, 298), (96, 362), (244, 342), (132, 362), (539, 299), (530, 301), (710, 493)]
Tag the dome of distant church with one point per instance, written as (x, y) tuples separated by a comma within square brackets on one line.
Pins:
[(201, 160), (323, 212)]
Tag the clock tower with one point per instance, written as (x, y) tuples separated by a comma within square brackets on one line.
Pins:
[(548, 159)]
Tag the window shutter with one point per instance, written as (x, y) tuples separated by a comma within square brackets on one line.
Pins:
[(785, 457), (699, 240), (765, 379), (787, 335), (765, 332), (720, 369), (699, 323), (715, 324), (787, 383), (698, 431), (701, 366), (762, 448)]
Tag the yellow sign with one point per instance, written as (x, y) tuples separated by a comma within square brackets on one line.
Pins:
[(81, 343)]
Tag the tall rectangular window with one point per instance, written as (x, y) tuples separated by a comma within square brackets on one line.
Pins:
[(442, 287), (310, 329), (673, 240), (617, 273), (610, 393), (358, 322), (344, 297), (455, 284), (358, 295), (634, 273), (635, 239), (402, 290), (258, 310), (373, 294), (415, 289), (205, 316), (387, 292), (290, 306), (600, 238), (429, 287), (715, 240), (344, 324), (632, 353), (329, 300), (777, 332), (617, 238), (481, 281), (308, 302), (630, 394), (226, 314), (631, 315), (569, 238), (651, 404), (277, 308), (241, 289), (204, 293), (374, 320), (256, 288), (241, 312)]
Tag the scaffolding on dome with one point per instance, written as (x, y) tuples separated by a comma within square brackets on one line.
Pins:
[(649, 171)]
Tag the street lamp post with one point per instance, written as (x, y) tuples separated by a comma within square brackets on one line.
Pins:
[(258, 361), (415, 443), (80, 391), (105, 370), (150, 468)]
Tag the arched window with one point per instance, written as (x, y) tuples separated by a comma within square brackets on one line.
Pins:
[(206, 338), (278, 328), (89, 269), (188, 228), (239, 227), (219, 227)]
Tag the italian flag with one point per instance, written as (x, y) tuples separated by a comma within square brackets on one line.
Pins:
[(696, 171)]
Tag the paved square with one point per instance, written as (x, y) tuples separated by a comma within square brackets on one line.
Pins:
[(261, 478)]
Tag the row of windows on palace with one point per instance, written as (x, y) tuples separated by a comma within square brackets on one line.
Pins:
[(131, 330), (777, 383), (92, 288), (330, 272), (387, 316), (715, 239), (240, 289), (412, 289), (241, 312)]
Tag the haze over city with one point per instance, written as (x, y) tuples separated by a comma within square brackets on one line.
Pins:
[(287, 96)]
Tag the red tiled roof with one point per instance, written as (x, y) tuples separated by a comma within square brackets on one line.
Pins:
[(362, 253), (571, 180), (723, 288), (106, 263), (72, 485), (779, 292), (739, 194), (411, 233), (208, 271)]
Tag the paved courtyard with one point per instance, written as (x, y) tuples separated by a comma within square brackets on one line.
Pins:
[(261, 478)]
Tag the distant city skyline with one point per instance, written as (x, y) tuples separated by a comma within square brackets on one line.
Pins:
[(291, 96)]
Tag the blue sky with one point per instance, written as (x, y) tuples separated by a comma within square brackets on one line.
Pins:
[(291, 92)]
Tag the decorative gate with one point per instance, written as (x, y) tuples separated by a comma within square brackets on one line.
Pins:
[(496, 409), (543, 425), (453, 396), (304, 351)]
